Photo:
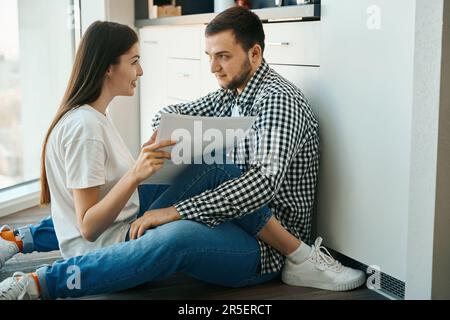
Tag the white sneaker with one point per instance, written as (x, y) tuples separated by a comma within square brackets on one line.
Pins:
[(20, 286), (7, 248), (321, 271)]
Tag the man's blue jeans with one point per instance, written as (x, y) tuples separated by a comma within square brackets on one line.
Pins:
[(227, 255)]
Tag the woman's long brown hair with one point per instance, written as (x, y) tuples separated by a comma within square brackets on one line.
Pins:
[(101, 46)]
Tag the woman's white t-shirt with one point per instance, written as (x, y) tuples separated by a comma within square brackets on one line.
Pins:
[(85, 150)]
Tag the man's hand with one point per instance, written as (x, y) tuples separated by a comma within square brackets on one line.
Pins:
[(152, 219)]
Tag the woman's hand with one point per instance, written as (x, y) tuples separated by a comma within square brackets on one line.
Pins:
[(152, 219), (152, 139), (150, 159)]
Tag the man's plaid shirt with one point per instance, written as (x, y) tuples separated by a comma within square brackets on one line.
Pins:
[(279, 166)]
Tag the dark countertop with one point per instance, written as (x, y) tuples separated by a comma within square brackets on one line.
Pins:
[(288, 13)]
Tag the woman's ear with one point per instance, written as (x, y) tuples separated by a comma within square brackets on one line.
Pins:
[(108, 72)]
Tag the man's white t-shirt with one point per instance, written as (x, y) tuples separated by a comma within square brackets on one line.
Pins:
[(85, 150), (235, 111)]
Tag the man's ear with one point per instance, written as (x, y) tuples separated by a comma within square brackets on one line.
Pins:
[(255, 53)]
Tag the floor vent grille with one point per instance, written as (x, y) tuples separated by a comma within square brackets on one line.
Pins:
[(384, 282)]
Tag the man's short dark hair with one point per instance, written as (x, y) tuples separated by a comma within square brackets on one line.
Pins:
[(245, 24)]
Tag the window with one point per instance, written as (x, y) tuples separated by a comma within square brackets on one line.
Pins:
[(36, 55)]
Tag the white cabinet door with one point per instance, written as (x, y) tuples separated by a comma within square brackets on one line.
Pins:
[(185, 41), (153, 82), (305, 78), (208, 82), (172, 101), (183, 79), (292, 43)]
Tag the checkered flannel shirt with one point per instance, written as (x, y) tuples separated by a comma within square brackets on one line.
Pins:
[(289, 189)]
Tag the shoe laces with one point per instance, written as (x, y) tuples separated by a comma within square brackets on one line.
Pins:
[(322, 257), (15, 289)]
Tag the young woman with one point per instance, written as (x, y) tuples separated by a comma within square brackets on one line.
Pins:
[(92, 180)]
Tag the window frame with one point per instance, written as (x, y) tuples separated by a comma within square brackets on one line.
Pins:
[(25, 194)]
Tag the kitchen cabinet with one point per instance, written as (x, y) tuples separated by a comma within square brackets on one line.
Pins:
[(153, 83), (292, 49), (303, 77), (184, 41), (170, 58), (295, 43), (176, 68), (183, 79)]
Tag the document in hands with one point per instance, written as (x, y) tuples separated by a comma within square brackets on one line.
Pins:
[(197, 137)]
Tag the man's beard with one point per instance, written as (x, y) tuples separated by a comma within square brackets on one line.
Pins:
[(241, 78)]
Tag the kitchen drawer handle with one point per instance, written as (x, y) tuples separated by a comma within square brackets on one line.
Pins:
[(151, 41), (184, 75), (277, 43)]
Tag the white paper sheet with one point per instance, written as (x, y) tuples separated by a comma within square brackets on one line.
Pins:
[(198, 136)]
